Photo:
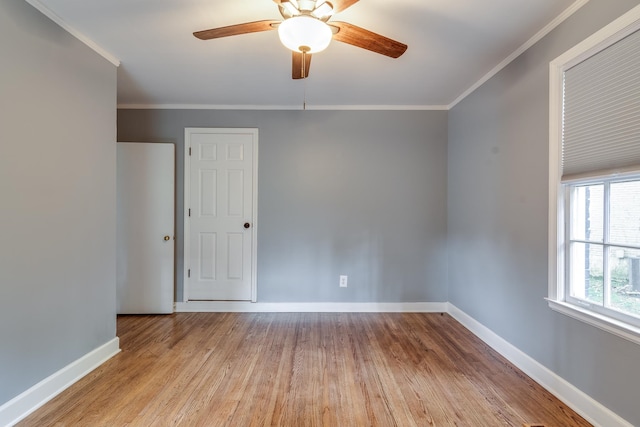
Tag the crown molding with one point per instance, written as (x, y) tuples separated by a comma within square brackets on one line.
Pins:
[(125, 106), (75, 33), (380, 107), (533, 40)]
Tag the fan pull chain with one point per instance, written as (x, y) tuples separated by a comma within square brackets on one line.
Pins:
[(304, 100)]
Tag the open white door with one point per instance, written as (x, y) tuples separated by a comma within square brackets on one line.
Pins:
[(220, 217), (145, 228)]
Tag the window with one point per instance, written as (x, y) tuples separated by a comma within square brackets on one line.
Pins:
[(602, 247), (594, 180)]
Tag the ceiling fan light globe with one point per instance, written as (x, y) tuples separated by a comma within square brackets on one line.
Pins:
[(305, 34)]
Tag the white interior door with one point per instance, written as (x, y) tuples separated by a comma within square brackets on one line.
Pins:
[(145, 228), (220, 200)]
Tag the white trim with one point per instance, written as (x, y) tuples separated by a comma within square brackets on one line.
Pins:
[(25, 403), (590, 409), (254, 220), (529, 43), (310, 307), (606, 323), (206, 107), (187, 197), (533, 40), (115, 61), (283, 107), (556, 206), (380, 107), (75, 33), (186, 266), (618, 29)]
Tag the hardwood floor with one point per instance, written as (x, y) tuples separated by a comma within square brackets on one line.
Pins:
[(303, 369)]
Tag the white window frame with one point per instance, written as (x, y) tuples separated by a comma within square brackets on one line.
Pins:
[(558, 301), (606, 243)]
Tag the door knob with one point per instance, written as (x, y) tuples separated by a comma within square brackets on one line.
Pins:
[(167, 238), (247, 225)]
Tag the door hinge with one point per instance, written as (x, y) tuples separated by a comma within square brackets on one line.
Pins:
[(189, 150), (189, 273)]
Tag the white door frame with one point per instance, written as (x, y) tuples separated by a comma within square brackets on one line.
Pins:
[(187, 199)]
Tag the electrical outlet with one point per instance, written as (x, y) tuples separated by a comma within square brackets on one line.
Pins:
[(343, 281)]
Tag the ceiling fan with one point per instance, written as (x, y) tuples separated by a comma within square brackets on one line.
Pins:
[(305, 31)]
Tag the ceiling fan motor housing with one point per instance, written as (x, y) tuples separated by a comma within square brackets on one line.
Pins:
[(306, 5), (320, 9)]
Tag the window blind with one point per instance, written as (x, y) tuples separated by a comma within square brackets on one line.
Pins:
[(601, 117)]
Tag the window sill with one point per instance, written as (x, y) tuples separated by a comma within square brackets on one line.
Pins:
[(608, 324)]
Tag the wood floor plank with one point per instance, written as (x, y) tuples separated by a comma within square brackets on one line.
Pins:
[(303, 369)]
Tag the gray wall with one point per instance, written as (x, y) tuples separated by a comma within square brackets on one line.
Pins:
[(497, 219), (57, 187), (361, 193)]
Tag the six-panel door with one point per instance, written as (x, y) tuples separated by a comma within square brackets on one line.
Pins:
[(221, 210)]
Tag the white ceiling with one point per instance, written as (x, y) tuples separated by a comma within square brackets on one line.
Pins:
[(453, 44)]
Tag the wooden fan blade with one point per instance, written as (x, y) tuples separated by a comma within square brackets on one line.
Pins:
[(233, 30), (356, 36), (340, 5), (298, 69)]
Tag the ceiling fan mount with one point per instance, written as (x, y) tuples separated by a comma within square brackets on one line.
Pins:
[(318, 9), (305, 30)]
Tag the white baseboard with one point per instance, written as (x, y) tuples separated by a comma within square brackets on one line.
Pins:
[(588, 408), (312, 307), (25, 403)]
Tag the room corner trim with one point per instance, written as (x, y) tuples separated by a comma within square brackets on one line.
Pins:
[(27, 402), (575, 6), (311, 307), (75, 33), (593, 411), (363, 107)]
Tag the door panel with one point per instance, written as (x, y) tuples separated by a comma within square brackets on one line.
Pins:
[(145, 218), (221, 196)]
